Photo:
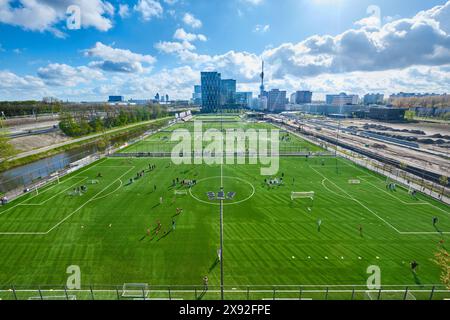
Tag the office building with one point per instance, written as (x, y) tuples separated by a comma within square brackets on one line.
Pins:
[(197, 95), (376, 98), (276, 100), (301, 97), (211, 91), (228, 92), (244, 99), (342, 99)]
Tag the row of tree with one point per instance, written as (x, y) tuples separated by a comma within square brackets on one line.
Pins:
[(442, 101), (82, 121), (26, 108)]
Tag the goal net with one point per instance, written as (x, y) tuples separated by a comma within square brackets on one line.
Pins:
[(354, 181), (302, 195), (135, 290)]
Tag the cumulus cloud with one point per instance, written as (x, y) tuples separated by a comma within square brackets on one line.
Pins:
[(421, 40), (174, 47), (149, 9), (190, 20), (181, 34), (46, 15), (118, 60), (64, 75)]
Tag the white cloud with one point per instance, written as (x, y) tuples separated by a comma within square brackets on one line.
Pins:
[(174, 47), (119, 60), (181, 34), (46, 15), (259, 28), (171, 2), (192, 21), (124, 10), (149, 9), (64, 75), (421, 40)]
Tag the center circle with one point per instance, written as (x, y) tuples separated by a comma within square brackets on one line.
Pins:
[(244, 190)]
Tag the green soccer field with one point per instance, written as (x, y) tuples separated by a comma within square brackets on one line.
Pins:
[(268, 238)]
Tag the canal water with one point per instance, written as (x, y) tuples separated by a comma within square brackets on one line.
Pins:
[(22, 176)]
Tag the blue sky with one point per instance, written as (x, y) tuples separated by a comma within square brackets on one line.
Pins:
[(139, 47)]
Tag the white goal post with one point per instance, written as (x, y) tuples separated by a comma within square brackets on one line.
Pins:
[(135, 290), (302, 195)]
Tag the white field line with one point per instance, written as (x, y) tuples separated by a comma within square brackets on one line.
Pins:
[(39, 204), (375, 214), (397, 198), (424, 202), (91, 199), (107, 195), (355, 166), (76, 175), (335, 193), (67, 217), (361, 204)]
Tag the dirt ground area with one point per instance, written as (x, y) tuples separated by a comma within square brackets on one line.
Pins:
[(29, 143)]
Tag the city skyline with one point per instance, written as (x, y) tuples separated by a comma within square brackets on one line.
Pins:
[(322, 46)]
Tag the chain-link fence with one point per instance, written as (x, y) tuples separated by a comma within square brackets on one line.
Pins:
[(149, 292)]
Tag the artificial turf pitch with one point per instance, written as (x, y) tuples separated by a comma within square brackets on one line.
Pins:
[(268, 238)]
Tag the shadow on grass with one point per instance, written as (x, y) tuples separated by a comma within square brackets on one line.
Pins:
[(416, 278), (214, 265), (165, 235)]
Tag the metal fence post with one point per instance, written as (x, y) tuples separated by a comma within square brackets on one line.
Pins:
[(65, 291), (353, 293), (326, 293), (432, 292), (14, 292), (92, 292)]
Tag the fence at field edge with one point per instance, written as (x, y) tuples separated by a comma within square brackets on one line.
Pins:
[(331, 292)]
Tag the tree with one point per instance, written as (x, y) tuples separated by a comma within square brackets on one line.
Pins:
[(443, 180), (442, 259)]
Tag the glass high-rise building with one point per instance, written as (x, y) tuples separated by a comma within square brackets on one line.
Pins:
[(211, 91), (228, 92)]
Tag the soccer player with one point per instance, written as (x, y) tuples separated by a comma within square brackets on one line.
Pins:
[(161, 200), (414, 266), (361, 230), (174, 224), (435, 221), (319, 224)]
